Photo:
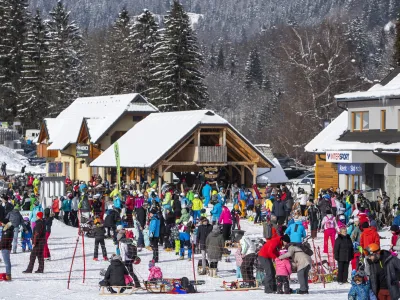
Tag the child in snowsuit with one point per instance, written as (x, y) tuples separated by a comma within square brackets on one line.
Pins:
[(329, 225), (239, 260), (175, 238), (155, 272), (99, 236), (184, 237), (26, 236), (283, 272), (360, 287), (235, 213)]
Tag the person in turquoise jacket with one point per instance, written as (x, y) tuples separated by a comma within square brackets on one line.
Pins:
[(66, 207), (117, 202), (216, 212), (154, 232), (296, 231), (206, 192), (348, 211), (32, 216)]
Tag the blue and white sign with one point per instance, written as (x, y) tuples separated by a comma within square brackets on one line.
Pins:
[(350, 169), (339, 156)]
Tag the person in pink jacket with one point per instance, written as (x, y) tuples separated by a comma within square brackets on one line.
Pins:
[(283, 272), (155, 272), (226, 220)]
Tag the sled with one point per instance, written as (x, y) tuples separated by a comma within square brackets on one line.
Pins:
[(166, 285), (236, 285), (129, 290)]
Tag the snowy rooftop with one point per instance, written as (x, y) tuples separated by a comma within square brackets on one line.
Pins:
[(157, 134), (387, 88), (328, 139), (273, 175), (100, 114)]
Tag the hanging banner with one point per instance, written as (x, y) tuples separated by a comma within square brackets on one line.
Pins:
[(116, 150), (350, 169), (82, 150)]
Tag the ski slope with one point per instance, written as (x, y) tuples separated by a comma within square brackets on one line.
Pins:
[(16, 161), (53, 283)]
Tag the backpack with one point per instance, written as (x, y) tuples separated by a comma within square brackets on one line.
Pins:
[(305, 247), (132, 251), (129, 234), (186, 285), (214, 199), (267, 231), (330, 223)]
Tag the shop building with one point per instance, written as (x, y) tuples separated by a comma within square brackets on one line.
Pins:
[(85, 129), (360, 149)]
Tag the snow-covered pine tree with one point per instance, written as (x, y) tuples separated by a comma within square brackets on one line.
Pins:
[(144, 37), (35, 93), (220, 59), (177, 81), (253, 70), (66, 54), (358, 42), (14, 23), (118, 61)]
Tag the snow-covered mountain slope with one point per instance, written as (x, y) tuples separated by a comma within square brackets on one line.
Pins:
[(16, 161)]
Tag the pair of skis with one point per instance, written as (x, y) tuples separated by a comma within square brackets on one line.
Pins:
[(318, 267)]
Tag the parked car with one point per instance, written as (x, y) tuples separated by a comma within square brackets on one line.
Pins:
[(307, 184), (308, 175)]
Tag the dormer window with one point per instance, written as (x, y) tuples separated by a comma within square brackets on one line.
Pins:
[(360, 121)]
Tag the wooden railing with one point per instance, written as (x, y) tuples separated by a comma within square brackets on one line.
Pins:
[(213, 154)]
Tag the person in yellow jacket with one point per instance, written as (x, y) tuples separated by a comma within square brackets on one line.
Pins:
[(269, 203), (196, 208), (36, 185)]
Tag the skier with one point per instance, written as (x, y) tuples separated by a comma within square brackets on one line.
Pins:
[(39, 236), (154, 232), (99, 235), (206, 192), (48, 221)]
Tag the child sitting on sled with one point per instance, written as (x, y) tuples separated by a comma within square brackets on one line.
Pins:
[(155, 272)]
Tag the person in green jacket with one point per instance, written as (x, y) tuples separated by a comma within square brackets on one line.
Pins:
[(184, 217), (33, 199)]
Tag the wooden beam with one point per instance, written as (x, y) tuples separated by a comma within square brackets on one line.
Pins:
[(255, 174), (180, 149), (242, 175), (238, 150), (239, 163), (177, 163), (148, 176), (210, 133), (240, 172), (224, 137)]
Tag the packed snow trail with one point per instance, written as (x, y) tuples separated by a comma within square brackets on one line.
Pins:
[(53, 283)]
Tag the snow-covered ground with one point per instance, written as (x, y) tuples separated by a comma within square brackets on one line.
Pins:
[(16, 161), (53, 283)]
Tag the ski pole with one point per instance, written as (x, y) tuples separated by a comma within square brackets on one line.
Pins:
[(194, 272), (72, 262)]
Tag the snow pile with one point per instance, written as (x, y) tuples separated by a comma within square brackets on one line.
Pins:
[(16, 161)]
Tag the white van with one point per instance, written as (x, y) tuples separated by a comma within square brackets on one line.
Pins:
[(31, 134)]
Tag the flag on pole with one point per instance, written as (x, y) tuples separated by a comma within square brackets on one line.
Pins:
[(116, 150)]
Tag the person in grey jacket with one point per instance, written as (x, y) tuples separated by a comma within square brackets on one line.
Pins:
[(302, 261), (214, 247), (16, 220)]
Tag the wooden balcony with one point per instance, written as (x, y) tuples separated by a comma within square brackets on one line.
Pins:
[(43, 152), (213, 154)]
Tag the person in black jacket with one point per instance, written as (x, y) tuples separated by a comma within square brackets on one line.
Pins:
[(99, 235), (115, 275), (38, 241), (343, 252), (169, 223), (6, 244), (7, 205), (96, 205), (279, 210), (177, 206), (2, 213), (111, 223), (202, 232), (313, 214), (141, 214), (383, 269)]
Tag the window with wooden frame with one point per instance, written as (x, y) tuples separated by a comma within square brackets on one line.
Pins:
[(383, 120), (360, 121)]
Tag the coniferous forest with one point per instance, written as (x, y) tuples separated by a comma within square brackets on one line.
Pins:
[(270, 67)]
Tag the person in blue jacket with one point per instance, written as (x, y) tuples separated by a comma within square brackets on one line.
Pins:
[(154, 232), (32, 216), (153, 196), (296, 231), (216, 213), (396, 220), (117, 202), (82, 186), (206, 192), (66, 208)]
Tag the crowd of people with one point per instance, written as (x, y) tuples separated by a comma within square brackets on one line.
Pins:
[(186, 220)]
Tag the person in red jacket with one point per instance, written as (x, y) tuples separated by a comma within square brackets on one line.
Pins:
[(369, 236), (130, 206), (362, 216), (266, 255)]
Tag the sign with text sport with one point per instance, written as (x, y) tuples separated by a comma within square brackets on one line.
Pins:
[(339, 156)]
